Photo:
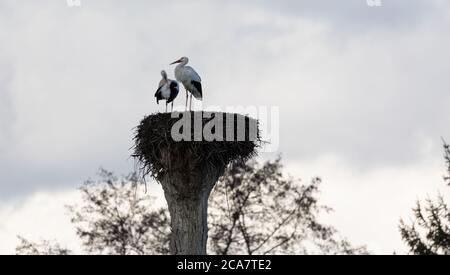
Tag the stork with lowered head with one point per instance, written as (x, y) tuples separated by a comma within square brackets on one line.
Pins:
[(167, 90)]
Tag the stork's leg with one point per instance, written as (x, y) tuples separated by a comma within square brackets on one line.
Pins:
[(166, 106), (172, 106), (186, 99), (190, 105)]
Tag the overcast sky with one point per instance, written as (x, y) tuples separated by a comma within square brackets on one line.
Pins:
[(362, 93)]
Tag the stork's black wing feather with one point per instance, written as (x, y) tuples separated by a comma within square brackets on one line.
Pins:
[(198, 87), (173, 91), (158, 95)]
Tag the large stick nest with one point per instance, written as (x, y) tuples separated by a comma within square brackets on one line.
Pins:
[(158, 154)]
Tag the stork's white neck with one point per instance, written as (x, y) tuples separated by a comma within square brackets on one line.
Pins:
[(164, 75)]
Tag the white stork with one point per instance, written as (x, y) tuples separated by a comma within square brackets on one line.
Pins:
[(167, 90), (189, 78)]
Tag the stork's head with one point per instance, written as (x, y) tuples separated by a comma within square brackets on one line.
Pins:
[(164, 74), (184, 60)]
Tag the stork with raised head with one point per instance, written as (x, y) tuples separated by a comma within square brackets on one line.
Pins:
[(189, 78), (167, 90)]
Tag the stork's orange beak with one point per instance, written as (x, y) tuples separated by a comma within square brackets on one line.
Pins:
[(178, 61)]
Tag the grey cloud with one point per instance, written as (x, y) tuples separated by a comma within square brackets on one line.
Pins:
[(6, 112), (356, 15), (83, 77)]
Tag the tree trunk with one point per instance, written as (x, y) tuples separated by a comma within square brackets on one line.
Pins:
[(189, 224), (187, 196)]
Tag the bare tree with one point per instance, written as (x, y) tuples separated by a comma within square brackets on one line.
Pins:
[(42, 248), (257, 210), (253, 210), (116, 218)]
